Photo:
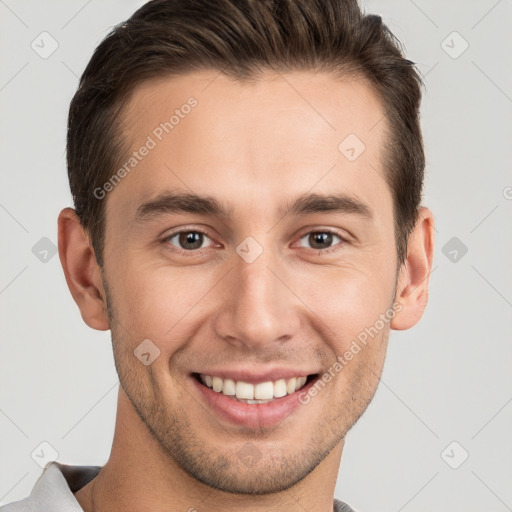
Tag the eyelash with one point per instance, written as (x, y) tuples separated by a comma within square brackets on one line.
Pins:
[(199, 252)]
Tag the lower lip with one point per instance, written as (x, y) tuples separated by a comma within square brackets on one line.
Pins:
[(252, 415)]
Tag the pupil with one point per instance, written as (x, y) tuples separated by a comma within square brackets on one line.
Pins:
[(320, 238)]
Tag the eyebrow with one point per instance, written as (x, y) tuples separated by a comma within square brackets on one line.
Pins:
[(169, 203)]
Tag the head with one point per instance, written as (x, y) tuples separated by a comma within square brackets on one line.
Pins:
[(247, 181)]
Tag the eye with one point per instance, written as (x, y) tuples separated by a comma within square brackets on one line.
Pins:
[(188, 241), (192, 240), (322, 241)]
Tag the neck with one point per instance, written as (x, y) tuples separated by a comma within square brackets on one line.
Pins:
[(139, 475)]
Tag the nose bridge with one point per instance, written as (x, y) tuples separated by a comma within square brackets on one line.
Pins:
[(258, 309)]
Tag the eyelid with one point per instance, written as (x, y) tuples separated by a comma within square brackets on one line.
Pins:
[(186, 229)]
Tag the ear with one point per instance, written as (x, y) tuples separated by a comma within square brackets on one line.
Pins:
[(412, 287), (83, 275)]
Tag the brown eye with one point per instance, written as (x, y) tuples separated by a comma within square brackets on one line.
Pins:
[(187, 240), (321, 240)]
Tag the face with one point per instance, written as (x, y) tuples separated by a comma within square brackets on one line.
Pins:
[(281, 254)]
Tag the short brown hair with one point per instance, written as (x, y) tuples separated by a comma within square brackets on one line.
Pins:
[(240, 38)]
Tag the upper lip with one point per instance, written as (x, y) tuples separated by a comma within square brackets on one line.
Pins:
[(254, 376)]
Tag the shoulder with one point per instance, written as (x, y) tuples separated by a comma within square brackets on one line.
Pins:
[(339, 506), (53, 490)]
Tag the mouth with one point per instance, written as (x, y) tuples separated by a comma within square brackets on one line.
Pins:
[(255, 393), (257, 397)]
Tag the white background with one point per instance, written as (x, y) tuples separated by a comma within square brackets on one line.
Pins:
[(448, 379)]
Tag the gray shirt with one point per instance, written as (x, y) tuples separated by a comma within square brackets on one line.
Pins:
[(53, 491)]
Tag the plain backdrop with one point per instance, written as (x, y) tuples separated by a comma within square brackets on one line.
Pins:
[(438, 432)]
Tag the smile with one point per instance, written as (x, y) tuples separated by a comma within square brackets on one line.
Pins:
[(259, 393), (253, 399)]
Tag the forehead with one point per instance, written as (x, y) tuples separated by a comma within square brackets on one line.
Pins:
[(281, 133)]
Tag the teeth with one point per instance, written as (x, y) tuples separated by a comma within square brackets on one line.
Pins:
[(300, 382), (279, 388), (217, 384), (264, 390), (254, 394), (244, 390), (228, 388)]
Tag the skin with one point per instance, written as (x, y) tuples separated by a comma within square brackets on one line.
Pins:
[(253, 147)]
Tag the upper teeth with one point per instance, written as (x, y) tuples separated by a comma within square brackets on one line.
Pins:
[(261, 391)]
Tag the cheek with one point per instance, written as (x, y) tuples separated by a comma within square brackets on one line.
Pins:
[(352, 310), (346, 302), (153, 310), (158, 302)]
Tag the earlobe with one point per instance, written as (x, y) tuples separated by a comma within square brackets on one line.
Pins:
[(83, 275), (413, 281)]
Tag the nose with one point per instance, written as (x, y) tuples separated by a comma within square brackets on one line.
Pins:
[(258, 308)]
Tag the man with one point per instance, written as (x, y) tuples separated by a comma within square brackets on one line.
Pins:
[(247, 182)]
